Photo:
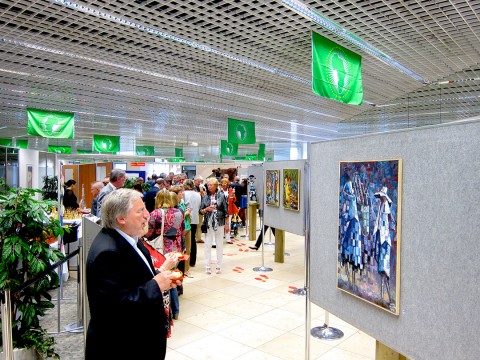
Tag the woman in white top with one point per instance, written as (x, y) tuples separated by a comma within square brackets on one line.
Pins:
[(192, 200)]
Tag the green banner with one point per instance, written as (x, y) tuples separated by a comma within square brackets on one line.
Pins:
[(251, 157), (178, 152), (84, 151), (336, 71), (261, 152), (106, 143), (145, 150), (6, 142), (241, 132), (228, 149), (50, 124), (176, 159), (22, 144), (60, 149)]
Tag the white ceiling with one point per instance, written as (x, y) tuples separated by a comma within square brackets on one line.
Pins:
[(168, 73)]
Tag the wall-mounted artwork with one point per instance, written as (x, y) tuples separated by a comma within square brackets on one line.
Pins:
[(272, 187), (291, 189), (369, 231)]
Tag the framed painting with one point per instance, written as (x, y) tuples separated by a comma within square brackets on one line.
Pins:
[(291, 189), (272, 187), (369, 206)]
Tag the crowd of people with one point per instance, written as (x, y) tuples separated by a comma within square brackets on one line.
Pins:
[(147, 239)]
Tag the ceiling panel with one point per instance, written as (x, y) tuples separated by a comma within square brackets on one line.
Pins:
[(171, 73)]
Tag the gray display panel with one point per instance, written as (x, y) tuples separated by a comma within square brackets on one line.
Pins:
[(439, 293)]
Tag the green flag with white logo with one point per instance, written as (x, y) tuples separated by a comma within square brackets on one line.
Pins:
[(22, 144), (228, 149), (6, 142), (251, 157), (178, 152), (50, 124), (106, 143), (336, 71), (60, 149), (145, 150), (241, 132), (261, 152)]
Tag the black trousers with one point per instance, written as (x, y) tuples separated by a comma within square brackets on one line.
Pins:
[(260, 236), (193, 248)]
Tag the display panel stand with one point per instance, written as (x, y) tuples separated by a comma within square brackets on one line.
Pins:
[(326, 332), (263, 267)]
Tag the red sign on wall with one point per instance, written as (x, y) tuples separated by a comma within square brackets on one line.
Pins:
[(137, 164)]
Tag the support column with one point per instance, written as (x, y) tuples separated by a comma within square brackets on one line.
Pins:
[(383, 352), (252, 221), (279, 246)]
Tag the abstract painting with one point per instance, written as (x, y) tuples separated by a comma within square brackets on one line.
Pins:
[(368, 241), (272, 187), (291, 189)]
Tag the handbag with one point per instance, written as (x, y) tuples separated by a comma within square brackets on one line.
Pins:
[(157, 243)]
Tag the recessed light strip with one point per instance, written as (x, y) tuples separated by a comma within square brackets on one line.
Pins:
[(310, 14)]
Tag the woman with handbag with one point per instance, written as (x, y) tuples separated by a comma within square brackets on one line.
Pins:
[(170, 219), (215, 211)]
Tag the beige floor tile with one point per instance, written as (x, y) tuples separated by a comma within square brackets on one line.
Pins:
[(184, 333), (280, 319), (251, 333), (257, 355), (245, 308), (339, 354), (214, 347), (213, 320), (292, 347), (359, 343)]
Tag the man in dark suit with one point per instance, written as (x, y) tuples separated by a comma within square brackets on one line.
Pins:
[(151, 194), (125, 293)]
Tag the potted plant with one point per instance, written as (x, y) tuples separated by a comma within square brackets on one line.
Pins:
[(25, 228)]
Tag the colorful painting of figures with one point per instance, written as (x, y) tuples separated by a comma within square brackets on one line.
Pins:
[(369, 231), (291, 189), (272, 187)]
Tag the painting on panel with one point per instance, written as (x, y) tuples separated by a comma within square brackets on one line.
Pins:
[(291, 189), (272, 187), (369, 231)]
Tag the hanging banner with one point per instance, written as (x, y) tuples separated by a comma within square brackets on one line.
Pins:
[(241, 132), (261, 152), (145, 150), (50, 124), (106, 143), (178, 152), (6, 142), (22, 144), (336, 71), (60, 149), (228, 149)]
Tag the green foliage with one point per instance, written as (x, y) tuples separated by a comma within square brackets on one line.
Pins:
[(24, 227)]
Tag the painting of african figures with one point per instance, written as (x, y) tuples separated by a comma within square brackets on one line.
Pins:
[(272, 187), (291, 189), (369, 231)]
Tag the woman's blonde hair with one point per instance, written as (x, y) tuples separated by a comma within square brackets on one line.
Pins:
[(213, 181), (163, 199)]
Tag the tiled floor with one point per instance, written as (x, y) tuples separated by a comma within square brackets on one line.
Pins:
[(248, 315), (241, 314)]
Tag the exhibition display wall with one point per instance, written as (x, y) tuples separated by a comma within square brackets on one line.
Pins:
[(291, 177), (438, 306)]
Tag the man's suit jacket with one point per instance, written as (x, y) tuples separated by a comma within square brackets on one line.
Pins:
[(128, 320)]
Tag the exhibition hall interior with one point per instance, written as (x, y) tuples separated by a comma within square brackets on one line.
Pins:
[(353, 126)]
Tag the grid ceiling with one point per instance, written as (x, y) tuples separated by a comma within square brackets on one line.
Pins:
[(170, 73)]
